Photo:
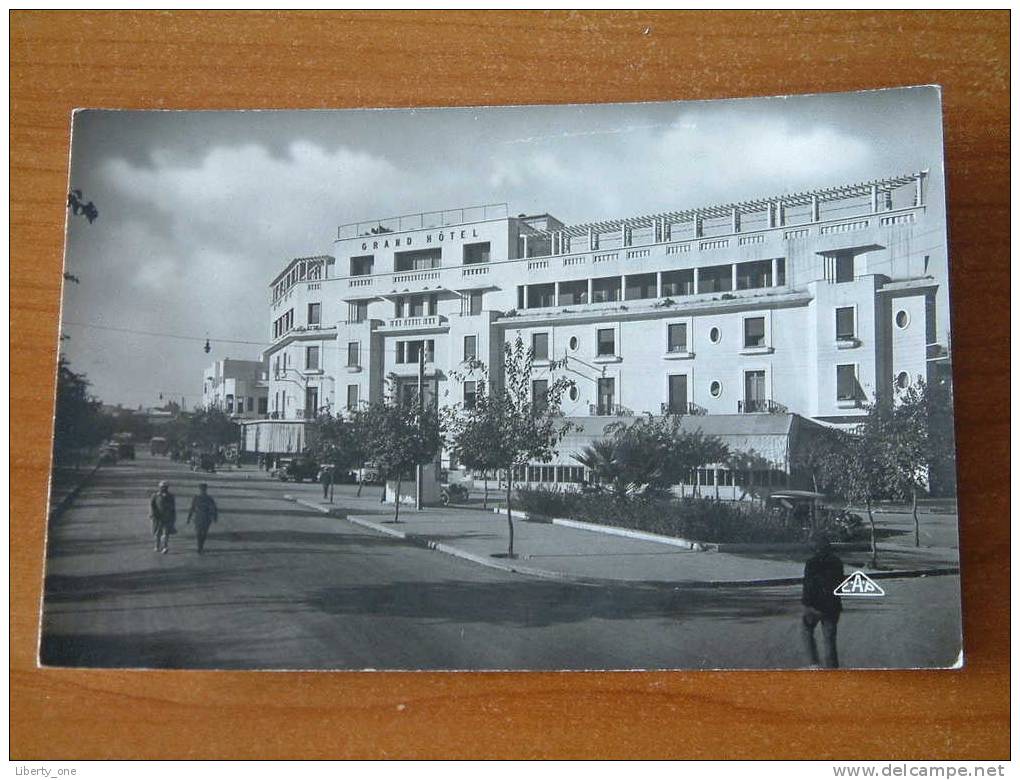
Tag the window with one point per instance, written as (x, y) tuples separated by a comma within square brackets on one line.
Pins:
[(715, 335), (754, 391), (606, 396), (357, 311), (572, 293), (540, 394), (472, 303), (311, 402), (606, 342), (573, 343), (470, 348), (640, 286), (677, 394), (755, 275), (352, 396), (677, 338), (780, 271), (541, 296), (401, 352), (902, 319), (418, 260), (715, 388), (433, 301), (362, 266), (476, 253), (540, 346), (353, 354), (677, 283), (470, 394), (264, 405), (846, 383), (845, 330), (844, 263), (413, 350), (754, 332), (902, 380), (715, 278), (605, 290), (573, 393), (314, 313), (251, 404), (311, 358), (416, 307)]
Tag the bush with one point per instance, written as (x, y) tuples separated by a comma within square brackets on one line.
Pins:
[(697, 519)]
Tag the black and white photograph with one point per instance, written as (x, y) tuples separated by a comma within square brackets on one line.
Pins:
[(555, 387)]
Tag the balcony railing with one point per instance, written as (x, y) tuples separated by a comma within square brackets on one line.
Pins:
[(609, 410), (760, 406), (687, 408), (413, 323)]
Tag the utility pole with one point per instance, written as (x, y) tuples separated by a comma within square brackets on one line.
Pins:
[(419, 470)]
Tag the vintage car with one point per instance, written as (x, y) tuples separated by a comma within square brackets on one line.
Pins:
[(297, 470), (454, 493)]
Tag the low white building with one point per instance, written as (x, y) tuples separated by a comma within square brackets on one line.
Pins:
[(237, 387)]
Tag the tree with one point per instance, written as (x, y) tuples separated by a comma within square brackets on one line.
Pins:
[(520, 429), (473, 448), (860, 465), (211, 428), (815, 455), (335, 440), (406, 434), (79, 421)]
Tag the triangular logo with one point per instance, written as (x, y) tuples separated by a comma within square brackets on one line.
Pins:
[(859, 584)]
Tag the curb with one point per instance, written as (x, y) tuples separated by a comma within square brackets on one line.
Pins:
[(431, 544), (67, 500)]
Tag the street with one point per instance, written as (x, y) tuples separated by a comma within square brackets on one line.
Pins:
[(284, 587)]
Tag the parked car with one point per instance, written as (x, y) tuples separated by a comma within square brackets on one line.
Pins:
[(108, 454), (205, 461), (368, 474), (126, 449), (297, 470), (452, 494), (815, 511), (158, 446)]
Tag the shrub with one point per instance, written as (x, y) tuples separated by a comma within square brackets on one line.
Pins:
[(697, 519)]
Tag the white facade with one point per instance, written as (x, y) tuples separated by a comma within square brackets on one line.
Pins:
[(237, 387), (807, 303)]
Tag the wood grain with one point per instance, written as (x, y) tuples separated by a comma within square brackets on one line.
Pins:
[(63, 60)]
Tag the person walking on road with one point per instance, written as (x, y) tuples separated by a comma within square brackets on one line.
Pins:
[(163, 513), (823, 573), (204, 512), (326, 480)]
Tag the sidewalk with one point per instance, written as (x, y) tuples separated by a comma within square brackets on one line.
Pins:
[(557, 552)]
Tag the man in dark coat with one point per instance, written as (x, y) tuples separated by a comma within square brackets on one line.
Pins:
[(326, 480), (823, 573), (204, 512), (163, 513)]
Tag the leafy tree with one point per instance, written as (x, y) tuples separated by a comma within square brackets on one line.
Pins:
[(602, 459), (520, 429), (860, 465), (473, 448), (815, 455), (79, 421), (334, 440), (211, 428), (405, 434)]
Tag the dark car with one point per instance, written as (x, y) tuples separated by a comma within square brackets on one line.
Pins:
[(298, 470), (126, 449)]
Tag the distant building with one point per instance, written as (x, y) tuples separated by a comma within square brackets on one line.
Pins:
[(237, 387), (796, 305)]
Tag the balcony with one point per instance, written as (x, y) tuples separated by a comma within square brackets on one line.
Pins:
[(609, 410), (687, 408), (427, 322), (760, 406)]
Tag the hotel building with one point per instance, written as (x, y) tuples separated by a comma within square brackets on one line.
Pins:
[(801, 305)]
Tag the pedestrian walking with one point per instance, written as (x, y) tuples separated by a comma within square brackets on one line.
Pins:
[(823, 574), (163, 513), (204, 512), (326, 480)]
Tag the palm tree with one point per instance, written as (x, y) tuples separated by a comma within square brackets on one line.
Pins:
[(601, 459)]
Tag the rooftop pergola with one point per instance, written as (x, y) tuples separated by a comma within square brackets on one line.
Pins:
[(811, 198)]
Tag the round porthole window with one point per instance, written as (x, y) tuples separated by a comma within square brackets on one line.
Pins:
[(573, 393), (715, 389), (573, 343), (902, 319), (715, 335), (902, 380)]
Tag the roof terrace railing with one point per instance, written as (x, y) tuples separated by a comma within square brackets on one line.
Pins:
[(423, 220)]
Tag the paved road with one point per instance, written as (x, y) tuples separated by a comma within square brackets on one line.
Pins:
[(284, 588)]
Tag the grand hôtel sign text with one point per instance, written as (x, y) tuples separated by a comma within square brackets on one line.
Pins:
[(442, 235)]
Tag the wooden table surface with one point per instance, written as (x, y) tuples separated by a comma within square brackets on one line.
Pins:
[(63, 60)]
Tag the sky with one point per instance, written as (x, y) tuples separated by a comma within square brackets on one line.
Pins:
[(198, 211)]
